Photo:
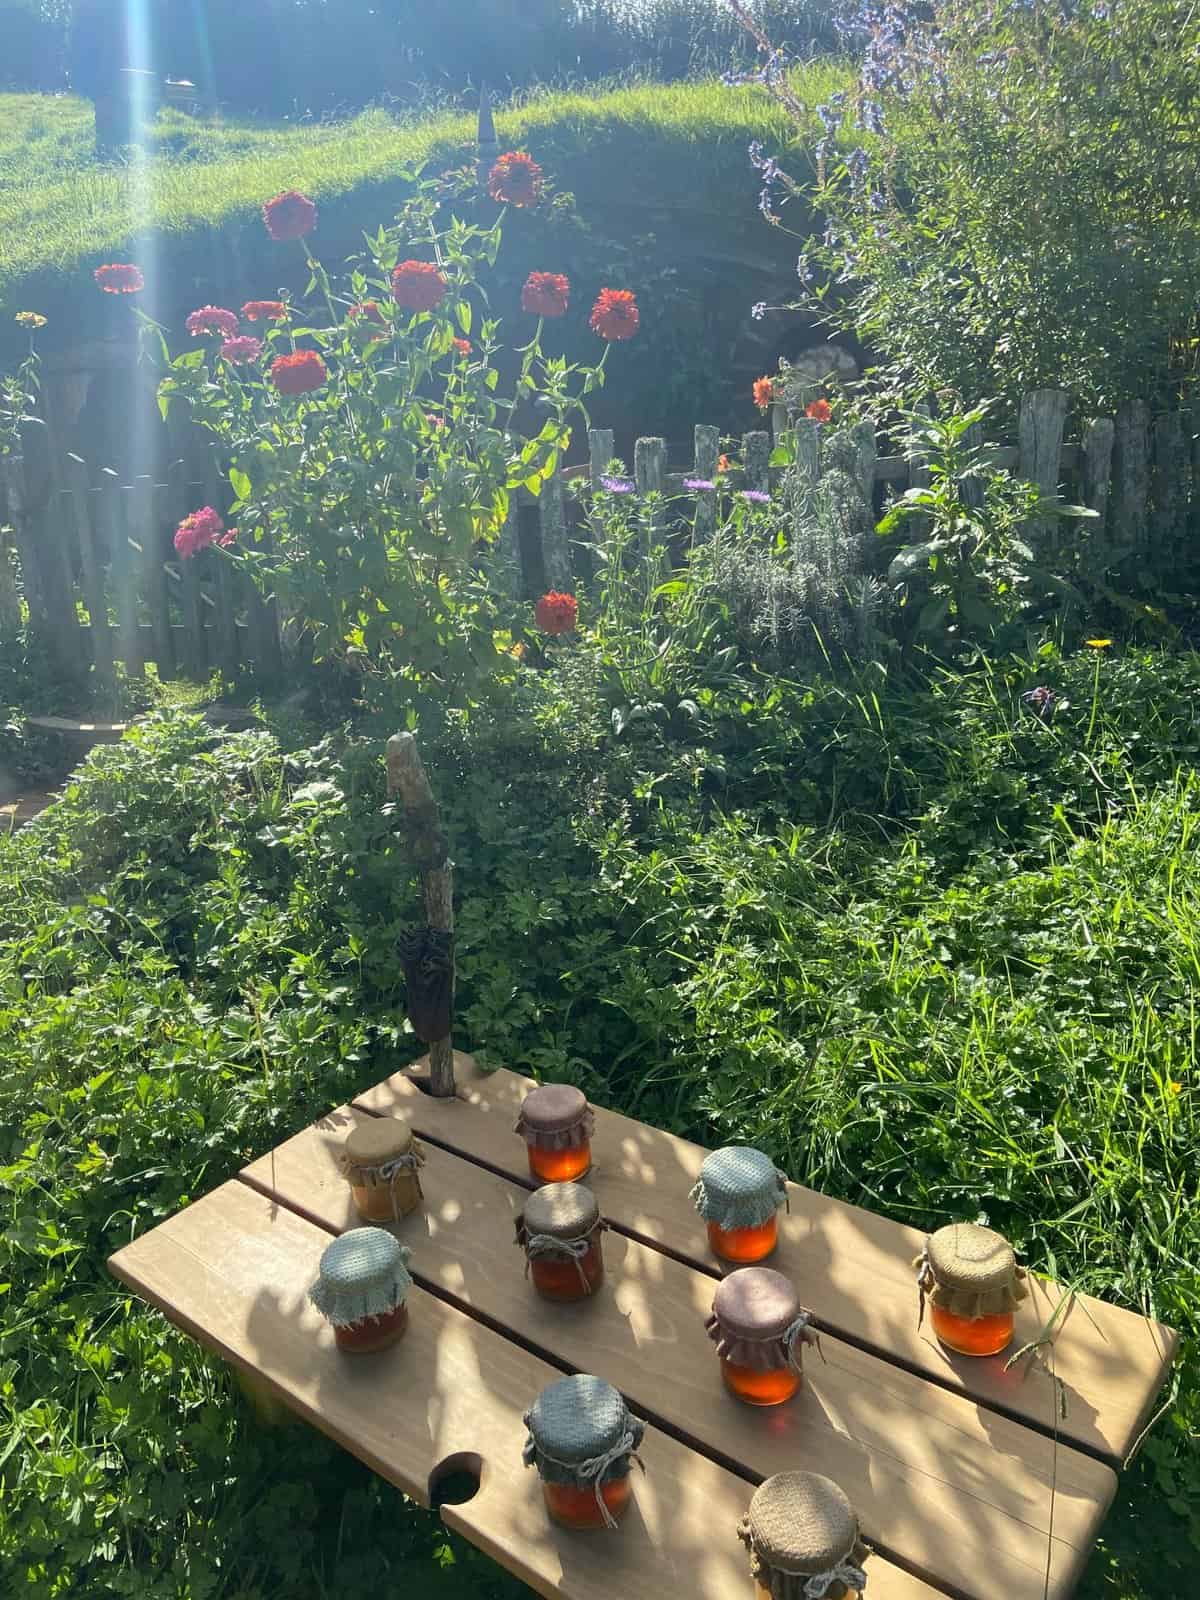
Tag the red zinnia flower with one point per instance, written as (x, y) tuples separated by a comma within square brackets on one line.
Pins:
[(290, 215), (265, 311), (242, 349), (119, 278), (515, 179), (197, 531), (615, 315), (818, 410), (556, 613), (367, 311), (418, 286), (463, 346), (764, 392), (212, 319), (723, 464), (545, 294), (298, 374)]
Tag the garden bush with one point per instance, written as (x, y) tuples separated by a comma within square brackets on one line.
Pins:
[(926, 939)]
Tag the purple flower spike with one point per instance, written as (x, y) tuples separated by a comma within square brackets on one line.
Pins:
[(617, 485), (756, 497), (699, 485)]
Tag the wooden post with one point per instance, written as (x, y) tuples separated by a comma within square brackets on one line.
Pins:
[(82, 499), (650, 465), (600, 452), (1172, 470), (154, 578), (1096, 473), (117, 519), (1039, 451), (45, 570), (406, 778), (708, 450), (756, 457), (866, 453), (191, 593), (1131, 471), (12, 476), (488, 146), (556, 552), (807, 437)]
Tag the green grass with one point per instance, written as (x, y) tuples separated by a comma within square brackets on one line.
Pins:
[(61, 210)]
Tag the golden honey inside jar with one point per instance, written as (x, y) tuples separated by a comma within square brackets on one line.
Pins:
[(381, 1160), (760, 1329), (969, 1278), (362, 1290), (556, 1123), (802, 1536), (559, 1231), (738, 1194), (583, 1440)]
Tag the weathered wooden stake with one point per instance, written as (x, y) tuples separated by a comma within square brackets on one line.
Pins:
[(708, 450), (1039, 449), (756, 456), (406, 778), (556, 551), (1097, 472), (1131, 473)]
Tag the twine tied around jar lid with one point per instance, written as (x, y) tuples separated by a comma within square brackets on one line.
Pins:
[(582, 1433), (803, 1540), (969, 1271), (363, 1273), (556, 1116), (739, 1188), (757, 1321), (378, 1152), (560, 1221)]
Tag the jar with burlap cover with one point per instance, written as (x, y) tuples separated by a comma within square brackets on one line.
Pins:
[(364, 1273), (561, 1223), (381, 1159), (969, 1271), (757, 1321), (556, 1116), (739, 1188), (802, 1535), (581, 1433)]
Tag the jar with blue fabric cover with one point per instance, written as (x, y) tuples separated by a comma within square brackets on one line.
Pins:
[(739, 1194), (583, 1440), (362, 1290)]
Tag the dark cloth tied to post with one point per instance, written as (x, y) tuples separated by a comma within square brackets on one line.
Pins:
[(427, 955)]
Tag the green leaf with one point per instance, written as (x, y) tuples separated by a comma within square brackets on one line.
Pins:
[(462, 311), (240, 483)]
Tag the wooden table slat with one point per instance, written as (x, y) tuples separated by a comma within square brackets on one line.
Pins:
[(232, 1270), (852, 1267), (953, 1491)]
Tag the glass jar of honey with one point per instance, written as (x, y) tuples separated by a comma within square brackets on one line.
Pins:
[(362, 1289), (970, 1278), (583, 1441), (760, 1329), (738, 1194), (556, 1123), (559, 1231), (802, 1535), (381, 1161)]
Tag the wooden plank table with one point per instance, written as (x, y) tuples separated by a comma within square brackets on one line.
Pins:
[(967, 1480)]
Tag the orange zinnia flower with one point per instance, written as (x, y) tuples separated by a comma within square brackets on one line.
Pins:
[(818, 410), (615, 315), (418, 286), (298, 374), (516, 179), (265, 311), (556, 613), (764, 393), (545, 294)]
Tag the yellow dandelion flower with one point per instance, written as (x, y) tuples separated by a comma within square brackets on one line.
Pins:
[(1174, 1088), (30, 319), (1097, 644)]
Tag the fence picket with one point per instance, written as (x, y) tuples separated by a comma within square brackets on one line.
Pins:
[(756, 457), (1040, 422), (600, 452), (1130, 479), (707, 454), (1096, 473), (556, 552), (82, 498), (114, 515), (1170, 481), (153, 574), (191, 592)]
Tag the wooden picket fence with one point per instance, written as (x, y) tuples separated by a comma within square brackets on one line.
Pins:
[(103, 583), (104, 551)]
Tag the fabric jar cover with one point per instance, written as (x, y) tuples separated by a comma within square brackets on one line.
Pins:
[(582, 1433), (379, 1150), (364, 1273), (559, 1223), (969, 1271), (757, 1321), (802, 1535), (739, 1188), (556, 1116)]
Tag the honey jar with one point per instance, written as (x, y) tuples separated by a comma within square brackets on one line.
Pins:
[(760, 1329), (802, 1535), (381, 1159), (362, 1289), (970, 1278), (559, 1231), (556, 1123), (738, 1194), (583, 1441)]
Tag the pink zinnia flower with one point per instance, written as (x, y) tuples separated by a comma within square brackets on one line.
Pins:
[(119, 278), (212, 319), (242, 349), (290, 215), (197, 531)]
